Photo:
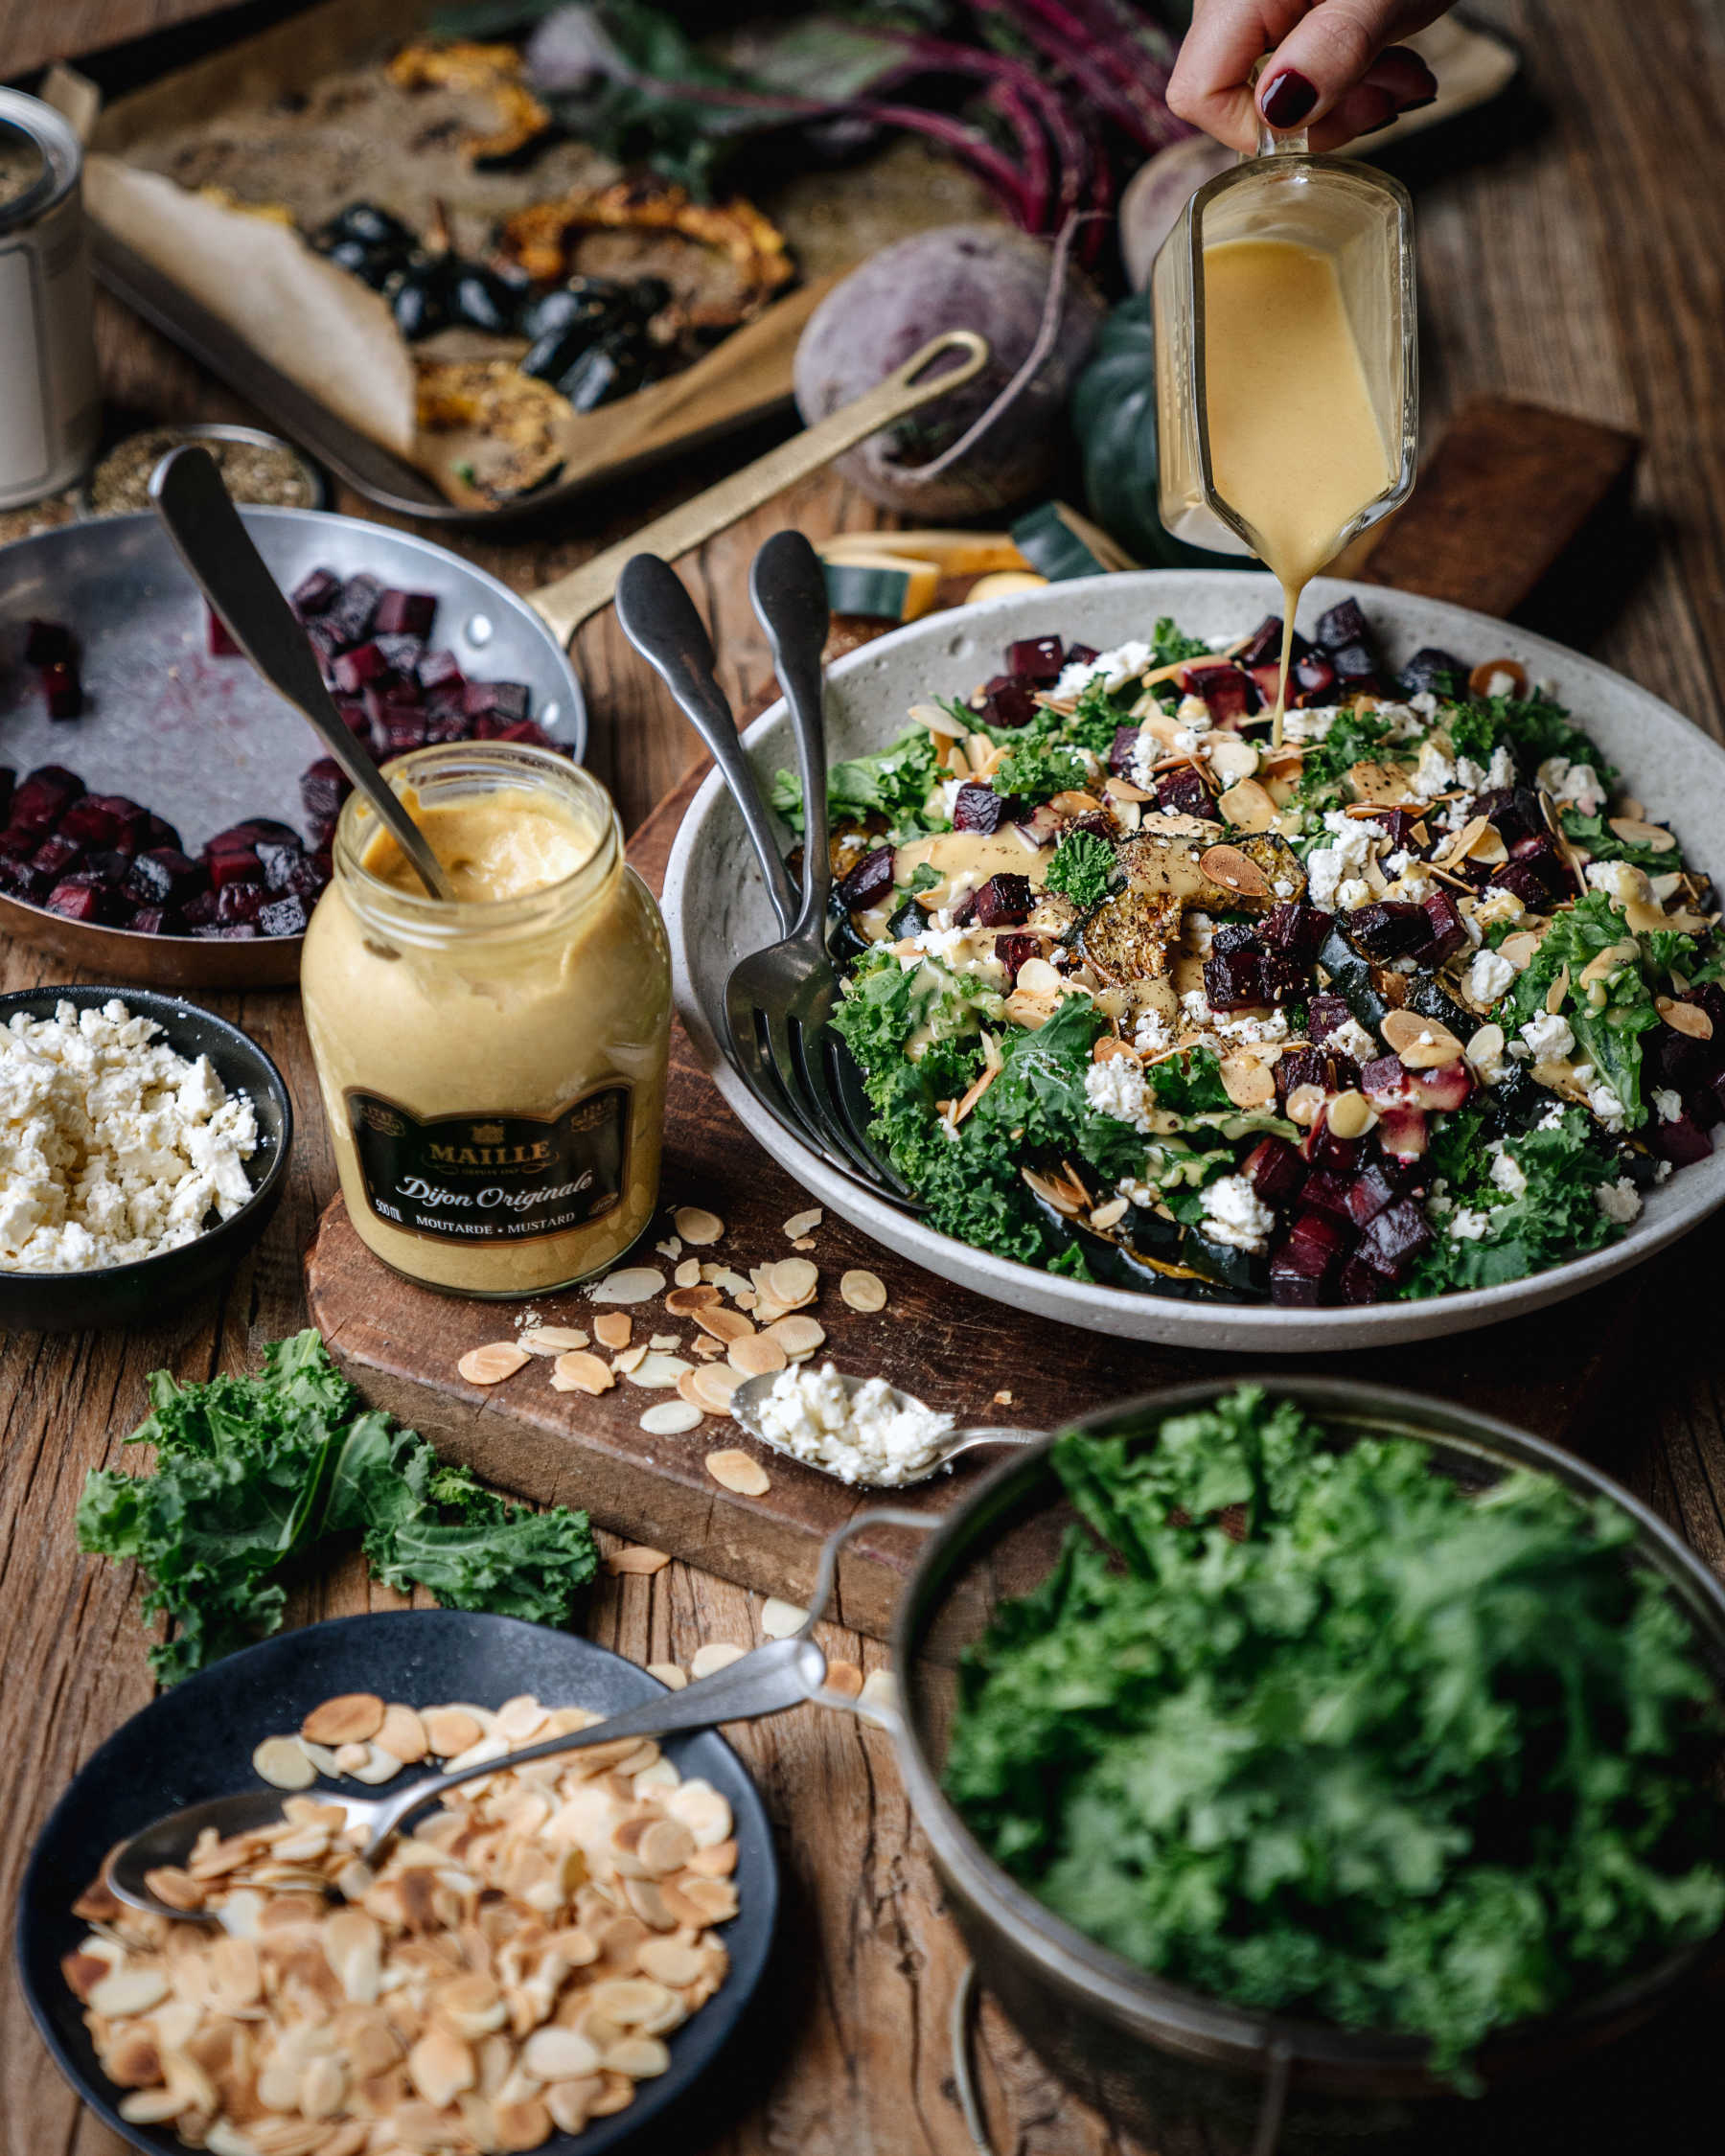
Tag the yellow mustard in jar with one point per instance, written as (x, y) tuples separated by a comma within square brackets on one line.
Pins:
[(492, 1067)]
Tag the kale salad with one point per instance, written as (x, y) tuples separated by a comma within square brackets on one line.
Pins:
[(1318, 1731), (1421, 1000)]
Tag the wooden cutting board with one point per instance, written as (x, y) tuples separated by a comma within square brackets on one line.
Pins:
[(1490, 539)]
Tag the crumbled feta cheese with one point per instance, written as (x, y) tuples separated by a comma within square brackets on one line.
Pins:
[(1351, 1039), (1499, 904), (1548, 1037), (1352, 840), (1151, 1035), (1501, 683), (874, 1437), (1501, 771), (1668, 1102), (1113, 669), (1311, 723), (1425, 703), (1468, 1226), (1618, 1201), (1489, 977), (1234, 1213), (1433, 775), (1271, 1026), (113, 1147), (1470, 774), (1118, 1087), (1572, 785), (1352, 893), (1601, 1098), (948, 790), (1622, 884), (1551, 1119), (1403, 720), (1506, 1171)]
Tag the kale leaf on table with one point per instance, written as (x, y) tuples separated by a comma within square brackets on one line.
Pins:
[(1391, 1754), (253, 1473)]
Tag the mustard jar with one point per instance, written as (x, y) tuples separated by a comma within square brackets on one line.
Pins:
[(492, 1067)]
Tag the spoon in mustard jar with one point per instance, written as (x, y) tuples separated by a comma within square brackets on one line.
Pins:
[(900, 1436), (213, 543)]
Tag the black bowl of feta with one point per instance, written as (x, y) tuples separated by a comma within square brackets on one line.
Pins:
[(144, 1146)]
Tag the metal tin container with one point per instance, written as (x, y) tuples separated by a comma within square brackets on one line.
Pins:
[(50, 411)]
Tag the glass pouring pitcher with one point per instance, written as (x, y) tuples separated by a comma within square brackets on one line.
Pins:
[(1362, 221)]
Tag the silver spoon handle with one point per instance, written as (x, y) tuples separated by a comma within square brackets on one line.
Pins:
[(660, 620), (788, 586), (215, 546), (784, 1673)]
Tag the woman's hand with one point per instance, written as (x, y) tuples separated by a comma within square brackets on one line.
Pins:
[(1332, 68)]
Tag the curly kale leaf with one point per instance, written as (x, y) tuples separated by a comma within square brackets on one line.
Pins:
[(1084, 868), (1354, 737), (253, 1475), (1032, 772), (1609, 1036), (1603, 843), (1555, 1218), (894, 783)]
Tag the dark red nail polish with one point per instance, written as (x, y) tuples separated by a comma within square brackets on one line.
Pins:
[(1287, 99)]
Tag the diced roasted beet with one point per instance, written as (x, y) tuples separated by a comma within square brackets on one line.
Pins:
[(398, 737), (1325, 1191), (1368, 1193), (315, 592), (1402, 1131), (1683, 1141), (1448, 931), (1356, 671), (216, 641), (1389, 928), (43, 798), (1327, 1151), (234, 865), (155, 921), (108, 864), (1263, 647), (19, 845), (526, 730), (1234, 979), (1311, 679), (19, 880), (299, 878), (1008, 701), (1523, 879), (84, 901), (47, 643), (58, 855), (1384, 1080), (323, 632), (1183, 792), (1037, 660), (89, 822), (1394, 1238), (1005, 901), (276, 857), (1123, 753), (1435, 673), (1274, 1171), (403, 653), (251, 831), (442, 726), (199, 909), (1267, 679), (1082, 654), (1536, 867), (283, 917), (440, 670), (159, 832), (406, 613), (1228, 693), (1042, 826), (354, 610), (324, 786), (869, 882), (354, 668), (229, 931), (1326, 1014), (506, 701), (163, 877), (1316, 1240), (356, 719), (963, 911), (977, 807), (1514, 812), (1302, 1066), (130, 820), (1295, 927), (1357, 1283), (1399, 824), (1710, 997), (241, 901), (1291, 1285), (1013, 951), (63, 690), (1235, 935), (1343, 624), (1445, 1088)]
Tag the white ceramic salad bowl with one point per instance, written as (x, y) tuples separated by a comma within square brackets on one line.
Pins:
[(717, 909)]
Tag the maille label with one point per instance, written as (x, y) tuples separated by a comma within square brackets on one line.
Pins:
[(492, 1179)]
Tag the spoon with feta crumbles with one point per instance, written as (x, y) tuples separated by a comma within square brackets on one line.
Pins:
[(860, 1430)]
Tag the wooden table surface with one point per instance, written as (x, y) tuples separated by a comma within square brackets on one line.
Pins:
[(1578, 262)]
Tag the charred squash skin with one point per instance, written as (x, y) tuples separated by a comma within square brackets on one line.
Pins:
[(496, 69)]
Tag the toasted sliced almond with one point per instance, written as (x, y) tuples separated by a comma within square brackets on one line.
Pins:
[(863, 1290), (282, 1763), (1558, 992), (804, 1223), (450, 1730), (580, 1372), (403, 1734), (636, 1557), (1423, 1043), (655, 1371), (713, 1386), (491, 1364), (716, 1654), (631, 1283), (1037, 977), (669, 1418), (613, 1328), (880, 1688), (844, 1678), (688, 1272), (1485, 1045), (780, 1618), (669, 1673), (739, 1472), (1248, 807), (1685, 1018), (128, 1991), (697, 1225), (798, 1336), (1232, 757), (553, 1339), (1245, 1081), (1519, 948), (350, 1719), (630, 1359), (176, 1888), (1635, 831), (725, 1324), (684, 1302), (760, 1355)]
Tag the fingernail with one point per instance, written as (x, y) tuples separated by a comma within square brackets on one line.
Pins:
[(1287, 99)]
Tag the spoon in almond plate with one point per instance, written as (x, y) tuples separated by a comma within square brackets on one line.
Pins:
[(782, 1674), (931, 1456)]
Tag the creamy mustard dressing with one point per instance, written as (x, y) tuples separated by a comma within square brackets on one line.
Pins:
[(492, 1067), (1296, 446)]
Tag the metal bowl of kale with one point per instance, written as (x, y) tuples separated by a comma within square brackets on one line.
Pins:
[(1311, 1764)]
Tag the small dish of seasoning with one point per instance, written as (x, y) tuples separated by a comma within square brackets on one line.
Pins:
[(255, 467)]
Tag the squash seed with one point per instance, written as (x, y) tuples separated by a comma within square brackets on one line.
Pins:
[(1234, 871), (759, 1354), (696, 1225), (1422, 1044), (863, 1290), (669, 1418), (716, 1654), (491, 1363), (738, 1471), (282, 1762), (1351, 1115), (637, 1557), (1685, 1018), (582, 1373)]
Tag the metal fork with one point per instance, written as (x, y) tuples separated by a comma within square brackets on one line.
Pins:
[(664, 623)]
